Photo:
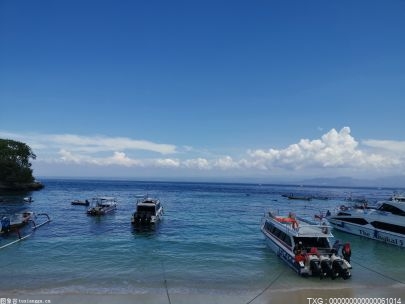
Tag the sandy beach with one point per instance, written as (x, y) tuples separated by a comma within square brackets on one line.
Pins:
[(365, 294)]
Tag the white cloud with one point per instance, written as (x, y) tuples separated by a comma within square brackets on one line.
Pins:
[(197, 163), (167, 163), (88, 144), (387, 145), (225, 163), (335, 151)]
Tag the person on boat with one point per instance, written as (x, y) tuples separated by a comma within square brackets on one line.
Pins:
[(299, 252), (298, 248), (314, 251), (346, 252)]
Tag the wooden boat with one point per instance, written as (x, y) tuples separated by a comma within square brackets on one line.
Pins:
[(23, 225), (80, 203), (297, 197)]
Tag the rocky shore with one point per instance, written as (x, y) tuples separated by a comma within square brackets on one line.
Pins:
[(21, 186)]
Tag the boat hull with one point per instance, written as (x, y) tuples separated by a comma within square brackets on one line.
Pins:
[(368, 231), (146, 221), (282, 252)]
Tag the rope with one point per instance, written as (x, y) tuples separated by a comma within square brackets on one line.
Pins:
[(165, 282), (379, 273), (267, 287)]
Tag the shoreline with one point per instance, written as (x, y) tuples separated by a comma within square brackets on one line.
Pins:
[(365, 294), (17, 187)]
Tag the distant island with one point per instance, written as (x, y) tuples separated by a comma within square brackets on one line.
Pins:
[(15, 167)]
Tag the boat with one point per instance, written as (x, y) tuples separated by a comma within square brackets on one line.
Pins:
[(102, 205), (304, 245), (398, 197), (80, 203), (16, 221), (23, 224), (383, 222), (149, 211), (293, 196)]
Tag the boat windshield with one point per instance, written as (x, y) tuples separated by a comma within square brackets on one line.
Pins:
[(390, 208), (308, 242), (146, 209)]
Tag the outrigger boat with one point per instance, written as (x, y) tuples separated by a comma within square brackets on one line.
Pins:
[(102, 205), (26, 221), (305, 246), (16, 221), (148, 211)]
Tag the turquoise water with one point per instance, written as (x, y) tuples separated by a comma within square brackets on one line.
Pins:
[(209, 242)]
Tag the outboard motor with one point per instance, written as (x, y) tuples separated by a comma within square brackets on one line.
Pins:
[(326, 267), (144, 219), (5, 224), (339, 267), (314, 264)]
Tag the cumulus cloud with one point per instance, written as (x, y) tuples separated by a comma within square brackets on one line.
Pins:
[(333, 150), (197, 163), (118, 158), (167, 163)]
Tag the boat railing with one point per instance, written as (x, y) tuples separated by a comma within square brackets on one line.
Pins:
[(298, 224)]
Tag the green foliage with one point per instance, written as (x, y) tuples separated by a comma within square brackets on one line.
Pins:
[(15, 166)]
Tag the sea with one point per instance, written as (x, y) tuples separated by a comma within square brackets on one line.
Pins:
[(207, 249)]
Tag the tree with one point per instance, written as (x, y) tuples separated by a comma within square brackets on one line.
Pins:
[(15, 166)]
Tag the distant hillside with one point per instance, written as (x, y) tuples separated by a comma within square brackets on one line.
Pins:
[(387, 182)]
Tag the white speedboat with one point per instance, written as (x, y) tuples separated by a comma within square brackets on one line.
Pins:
[(148, 211), (102, 205), (305, 246), (383, 222)]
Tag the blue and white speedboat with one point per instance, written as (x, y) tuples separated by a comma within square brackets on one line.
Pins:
[(383, 222), (305, 246)]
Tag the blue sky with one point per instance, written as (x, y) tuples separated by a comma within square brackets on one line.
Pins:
[(181, 89)]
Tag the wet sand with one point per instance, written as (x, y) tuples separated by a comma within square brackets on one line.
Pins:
[(364, 294)]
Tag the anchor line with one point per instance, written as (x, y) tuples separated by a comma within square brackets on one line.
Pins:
[(267, 287), (165, 282), (379, 273)]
